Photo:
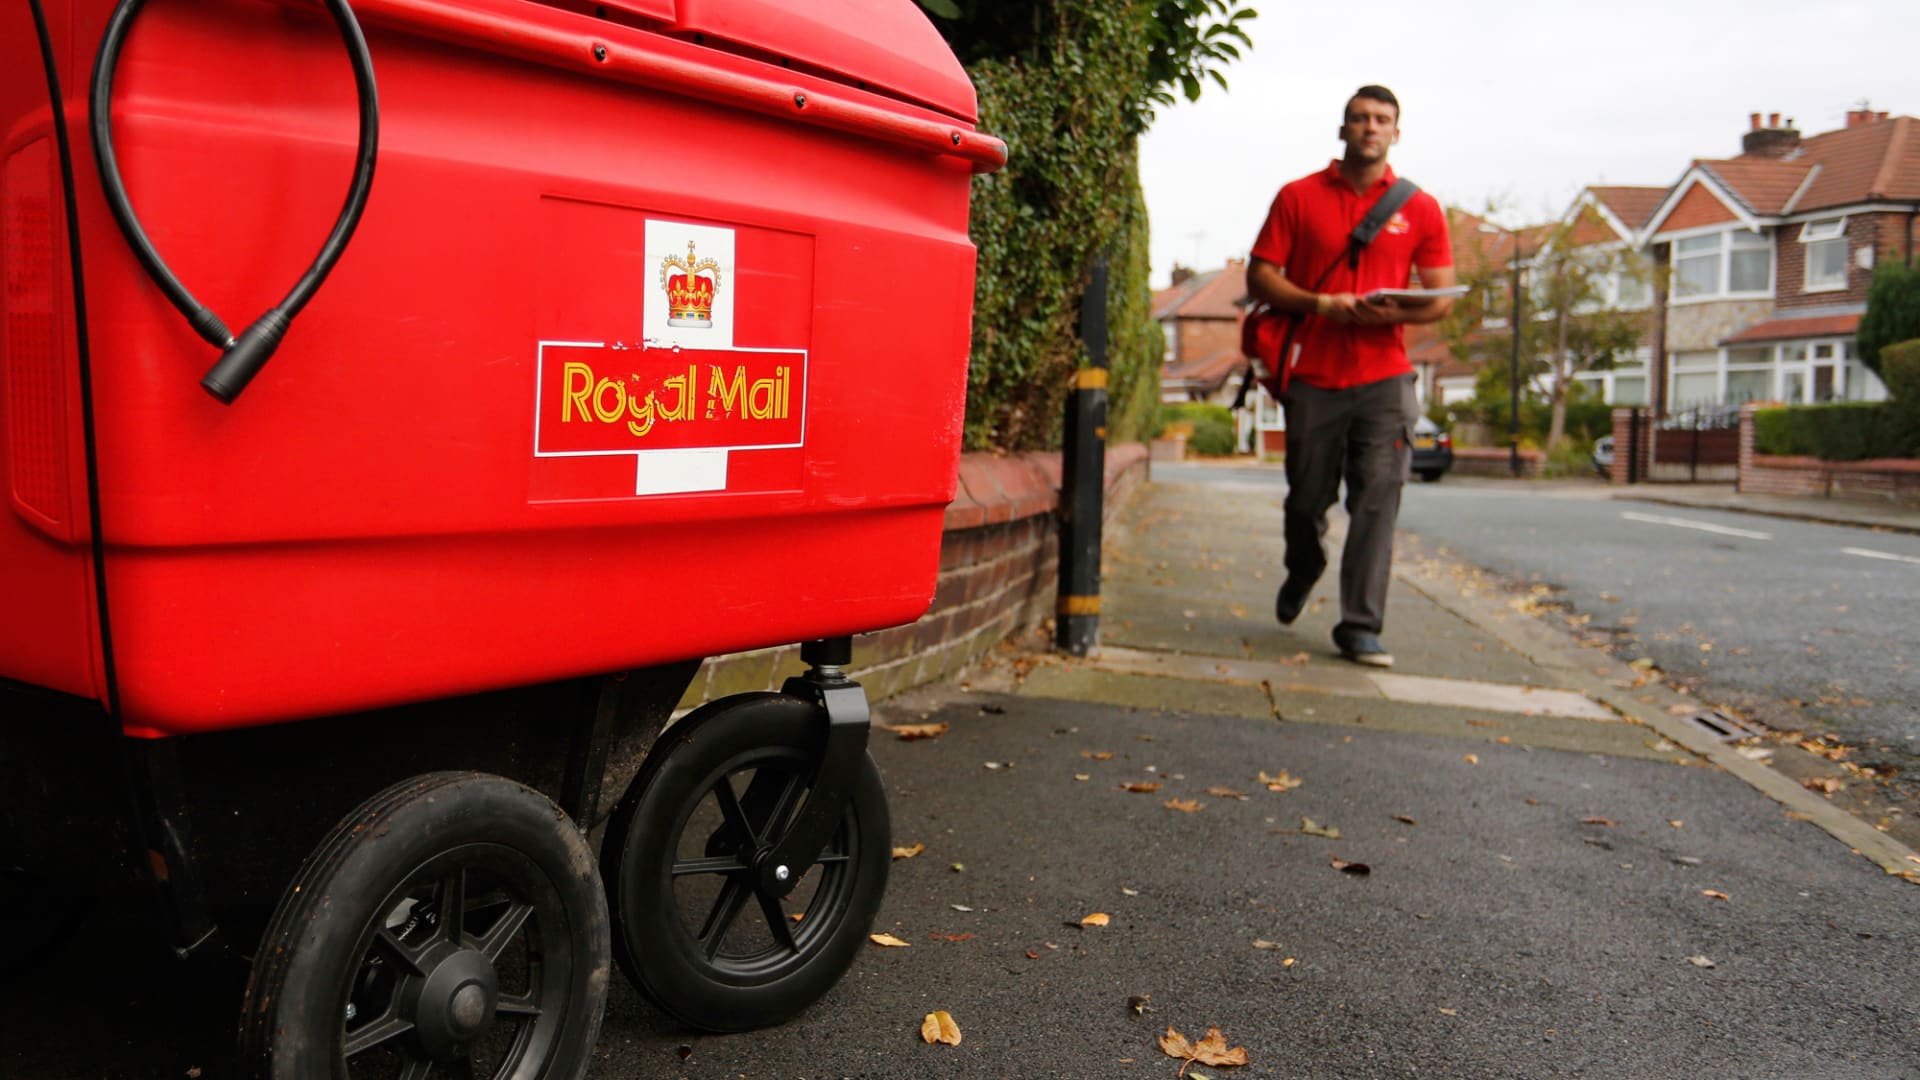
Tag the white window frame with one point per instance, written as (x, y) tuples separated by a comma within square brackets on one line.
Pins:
[(1823, 234), (1723, 283)]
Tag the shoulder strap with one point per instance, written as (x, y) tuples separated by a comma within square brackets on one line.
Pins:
[(1370, 226)]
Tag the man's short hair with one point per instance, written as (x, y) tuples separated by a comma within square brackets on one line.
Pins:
[(1374, 92)]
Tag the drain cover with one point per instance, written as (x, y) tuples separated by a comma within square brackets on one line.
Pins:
[(1722, 726)]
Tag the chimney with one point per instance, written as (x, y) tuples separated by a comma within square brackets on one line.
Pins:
[(1181, 274), (1771, 141)]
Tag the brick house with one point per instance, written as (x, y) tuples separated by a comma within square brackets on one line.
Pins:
[(1200, 316), (1767, 257)]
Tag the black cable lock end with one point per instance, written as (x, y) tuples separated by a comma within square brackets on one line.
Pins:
[(244, 358)]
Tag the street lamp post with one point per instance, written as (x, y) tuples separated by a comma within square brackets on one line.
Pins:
[(1513, 418)]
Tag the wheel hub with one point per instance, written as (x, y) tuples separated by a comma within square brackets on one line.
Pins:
[(454, 1001)]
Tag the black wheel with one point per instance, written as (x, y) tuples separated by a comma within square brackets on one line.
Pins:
[(692, 927), (452, 925), (1431, 476)]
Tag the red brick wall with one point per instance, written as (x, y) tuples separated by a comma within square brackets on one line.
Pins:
[(1886, 480), (1200, 338), (998, 576), (1883, 232)]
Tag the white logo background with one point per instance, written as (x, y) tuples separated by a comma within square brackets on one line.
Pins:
[(669, 239)]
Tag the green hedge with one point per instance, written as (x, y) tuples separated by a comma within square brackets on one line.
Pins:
[(1069, 195), (1843, 431), (1900, 369), (1214, 432)]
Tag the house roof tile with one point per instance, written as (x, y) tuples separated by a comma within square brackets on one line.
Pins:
[(1806, 327), (1214, 294), (1763, 185), (1633, 205)]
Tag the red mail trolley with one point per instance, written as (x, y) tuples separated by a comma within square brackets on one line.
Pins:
[(399, 402)]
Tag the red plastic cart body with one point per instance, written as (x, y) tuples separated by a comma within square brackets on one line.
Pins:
[(650, 345)]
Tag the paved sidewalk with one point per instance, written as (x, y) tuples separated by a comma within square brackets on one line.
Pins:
[(1892, 517)]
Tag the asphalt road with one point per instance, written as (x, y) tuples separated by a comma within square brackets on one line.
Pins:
[(1505, 929)]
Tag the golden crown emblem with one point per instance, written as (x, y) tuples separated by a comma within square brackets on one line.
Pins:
[(689, 292)]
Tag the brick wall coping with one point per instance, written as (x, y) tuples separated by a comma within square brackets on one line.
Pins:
[(1814, 464), (997, 488), (1495, 453)]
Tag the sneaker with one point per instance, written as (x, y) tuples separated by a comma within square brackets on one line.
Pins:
[(1287, 605), (1362, 648)]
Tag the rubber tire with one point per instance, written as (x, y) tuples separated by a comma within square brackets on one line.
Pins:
[(1431, 476), (650, 939), (322, 926)]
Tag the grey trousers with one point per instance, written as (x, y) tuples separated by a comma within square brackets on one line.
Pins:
[(1364, 435)]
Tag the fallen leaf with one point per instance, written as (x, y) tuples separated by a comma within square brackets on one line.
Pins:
[(1124, 891), (1097, 755), (1211, 1050), (1082, 776), (1825, 784), (1288, 962), (1139, 787), (1226, 793), (1313, 828), (959, 907), (1682, 709), (1098, 918), (958, 868), (1270, 946), (1449, 1012), (1359, 869), (939, 1027), (1283, 782), (1714, 894), (1608, 822), (1404, 819), (1677, 823), (889, 941), (1138, 1003), (1471, 759), (908, 852), (1185, 806), (950, 937), (1701, 962), (909, 732), (1031, 955)]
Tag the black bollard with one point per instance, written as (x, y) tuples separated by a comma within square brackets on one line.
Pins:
[(1083, 479)]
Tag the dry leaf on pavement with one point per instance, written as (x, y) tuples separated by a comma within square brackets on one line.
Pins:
[(889, 941), (1314, 828), (918, 731), (1139, 787), (1355, 868), (1714, 894), (1283, 782), (1185, 806), (1405, 819), (1608, 822), (908, 852), (1471, 759), (1098, 918), (1211, 1050), (1097, 755), (1826, 784), (1226, 792), (939, 1027)]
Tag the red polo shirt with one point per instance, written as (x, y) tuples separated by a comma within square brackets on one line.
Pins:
[(1306, 232)]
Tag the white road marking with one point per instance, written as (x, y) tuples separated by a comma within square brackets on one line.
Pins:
[(1872, 554), (1687, 523)]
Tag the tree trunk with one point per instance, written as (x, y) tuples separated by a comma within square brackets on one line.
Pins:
[(1557, 430)]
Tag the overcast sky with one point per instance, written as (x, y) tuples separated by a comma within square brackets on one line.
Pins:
[(1521, 104)]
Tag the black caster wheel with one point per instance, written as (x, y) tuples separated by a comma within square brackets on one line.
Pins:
[(452, 925), (692, 925)]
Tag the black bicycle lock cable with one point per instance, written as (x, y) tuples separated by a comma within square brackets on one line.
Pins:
[(241, 357)]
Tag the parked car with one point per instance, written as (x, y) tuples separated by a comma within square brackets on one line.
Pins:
[(1603, 455), (1432, 450)]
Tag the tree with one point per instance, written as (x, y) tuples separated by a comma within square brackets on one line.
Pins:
[(1893, 311), (1578, 316)]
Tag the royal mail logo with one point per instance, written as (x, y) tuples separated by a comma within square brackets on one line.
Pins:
[(690, 292), (1398, 225), (684, 397)]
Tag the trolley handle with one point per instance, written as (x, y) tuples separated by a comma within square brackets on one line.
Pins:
[(242, 357)]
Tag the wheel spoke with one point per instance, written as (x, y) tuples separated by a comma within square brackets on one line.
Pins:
[(388, 1027), (517, 1005), (721, 865), (416, 1069), (504, 928), (733, 815), (733, 897), (387, 944), (783, 807), (453, 905), (777, 920), (838, 857)]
